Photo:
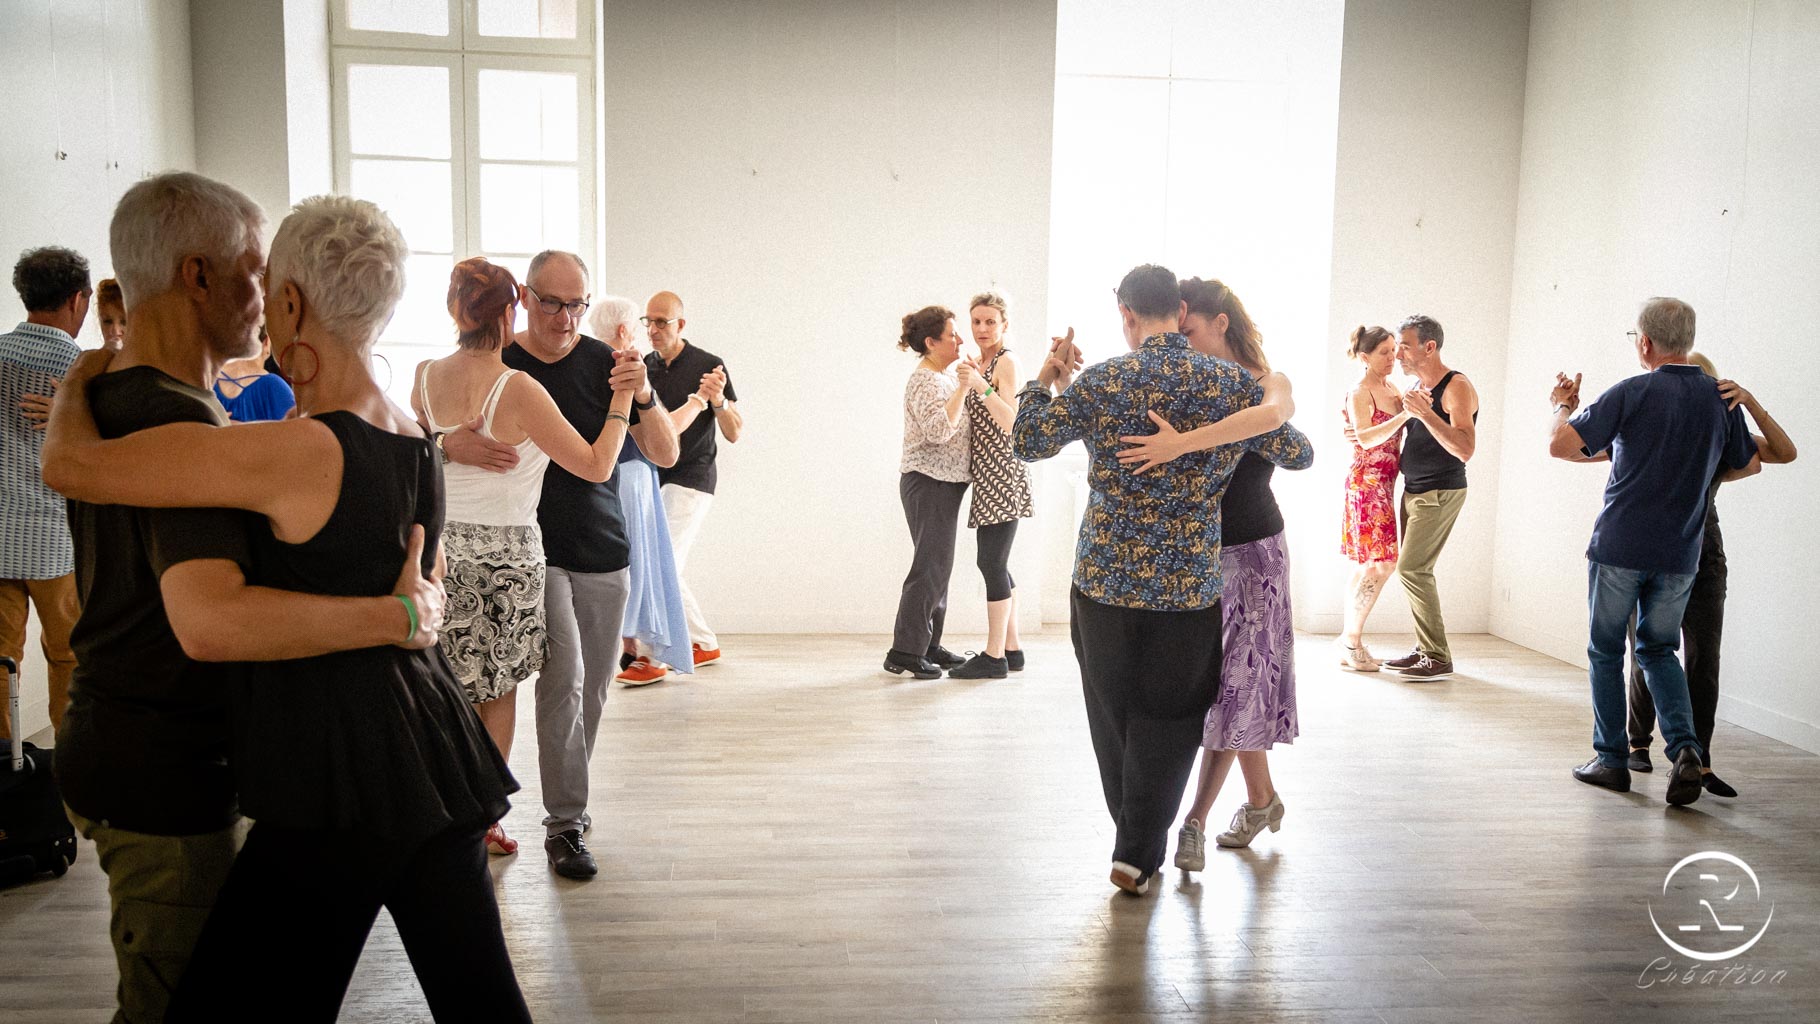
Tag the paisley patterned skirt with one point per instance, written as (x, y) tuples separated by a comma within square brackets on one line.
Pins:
[(1257, 671), (493, 621)]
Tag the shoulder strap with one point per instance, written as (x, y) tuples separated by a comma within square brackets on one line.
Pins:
[(491, 405), (423, 393)]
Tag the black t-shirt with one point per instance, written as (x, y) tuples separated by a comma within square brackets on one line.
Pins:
[(144, 745), (584, 528), (1248, 509), (674, 383)]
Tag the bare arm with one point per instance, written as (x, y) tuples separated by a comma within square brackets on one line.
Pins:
[(537, 415), (1367, 433), (657, 435), (217, 616), (1167, 445), (1001, 403), (1774, 446), (1461, 402)]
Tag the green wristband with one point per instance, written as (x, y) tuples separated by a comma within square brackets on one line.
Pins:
[(620, 416), (410, 610)]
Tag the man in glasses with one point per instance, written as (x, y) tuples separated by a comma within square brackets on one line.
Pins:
[(584, 539), (693, 384)]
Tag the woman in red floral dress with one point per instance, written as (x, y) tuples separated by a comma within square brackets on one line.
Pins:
[(1368, 529)]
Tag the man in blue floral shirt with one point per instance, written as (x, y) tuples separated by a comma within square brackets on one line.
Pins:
[(1146, 602)]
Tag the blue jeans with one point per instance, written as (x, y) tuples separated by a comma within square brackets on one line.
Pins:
[(1657, 599)]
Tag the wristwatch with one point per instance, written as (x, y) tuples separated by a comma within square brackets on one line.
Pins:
[(642, 406), (440, 450), (717, 408)]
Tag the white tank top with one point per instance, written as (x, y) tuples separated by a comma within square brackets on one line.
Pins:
[(480, 496)]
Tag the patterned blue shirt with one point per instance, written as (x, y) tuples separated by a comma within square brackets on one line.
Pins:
[(34, 523), (1151, 540)]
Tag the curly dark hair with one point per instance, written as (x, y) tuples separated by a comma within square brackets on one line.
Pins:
[(480, 292), (927, 322), (46, 277)]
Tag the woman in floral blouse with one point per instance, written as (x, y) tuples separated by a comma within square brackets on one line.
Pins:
[(937, 453)]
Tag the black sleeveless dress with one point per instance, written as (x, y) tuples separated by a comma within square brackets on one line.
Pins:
[(379, 740)]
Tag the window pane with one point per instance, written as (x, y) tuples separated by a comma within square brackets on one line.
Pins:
[(398, 110), (417, 17), (527, 115), (535, 19), (422, 317), (416, 194), (528, 209)]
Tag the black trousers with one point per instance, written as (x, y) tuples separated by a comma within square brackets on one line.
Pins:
[(1149, 678), (995, 559), (293, 916), (1702, 629), (933, 509)]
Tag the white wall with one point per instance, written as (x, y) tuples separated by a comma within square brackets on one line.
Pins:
[(804, 174), (1669, 149), (97, 96), (1431, 118)]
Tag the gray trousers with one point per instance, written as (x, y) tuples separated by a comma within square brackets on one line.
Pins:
[(583, 611), (933, 509)]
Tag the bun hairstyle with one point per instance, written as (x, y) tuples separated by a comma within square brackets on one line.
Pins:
[(479, 295), (1365, 340), (107, 293), (927, 322)]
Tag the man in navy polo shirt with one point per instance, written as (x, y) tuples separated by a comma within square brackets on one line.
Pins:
[(1667, 433)]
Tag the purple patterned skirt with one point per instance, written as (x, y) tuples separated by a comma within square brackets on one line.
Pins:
[(1257, 692)]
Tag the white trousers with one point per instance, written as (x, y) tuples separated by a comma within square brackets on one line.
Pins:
[(685, 508)]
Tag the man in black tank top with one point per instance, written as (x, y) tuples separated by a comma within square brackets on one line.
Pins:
[(1440, 439)]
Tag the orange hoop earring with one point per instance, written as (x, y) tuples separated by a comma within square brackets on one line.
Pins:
[(284, 365)]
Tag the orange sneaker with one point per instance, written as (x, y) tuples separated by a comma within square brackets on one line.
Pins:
[(703, 656), (643, 672)]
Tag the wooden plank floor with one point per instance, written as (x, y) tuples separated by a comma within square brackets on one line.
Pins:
[(795, 836)]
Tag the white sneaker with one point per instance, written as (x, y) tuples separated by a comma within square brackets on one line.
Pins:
[(1130, 879), (1191, 847), (1249, 821)]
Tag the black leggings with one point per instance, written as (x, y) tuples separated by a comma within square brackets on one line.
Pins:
[(995, 559), (294, 913)]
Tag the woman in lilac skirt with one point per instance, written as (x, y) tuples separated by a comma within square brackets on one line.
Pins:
[(1256, 708)]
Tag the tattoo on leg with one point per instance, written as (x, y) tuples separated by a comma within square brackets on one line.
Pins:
[(1368, 592)]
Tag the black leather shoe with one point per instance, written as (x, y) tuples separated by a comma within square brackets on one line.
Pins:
[(1639, 760), (1597, 773), (1406, 661), (569, 856), (898, 662), (1716, 786), (1014, 660), (944, 658), (980, 666), (1684, 779)]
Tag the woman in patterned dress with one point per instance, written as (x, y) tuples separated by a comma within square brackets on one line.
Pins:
[(493, 626), (933, 476), (1368, 530), (1001, 487), (1256, 708)]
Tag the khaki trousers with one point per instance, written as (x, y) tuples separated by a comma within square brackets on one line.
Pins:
[(55, 600), (160, 890), (1427, 519)]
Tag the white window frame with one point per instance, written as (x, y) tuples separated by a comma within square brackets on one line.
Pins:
[(464, 34), (583, 70)]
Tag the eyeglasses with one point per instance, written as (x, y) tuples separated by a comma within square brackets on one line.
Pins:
[(1632, 335), (659, 322), (554, 306)]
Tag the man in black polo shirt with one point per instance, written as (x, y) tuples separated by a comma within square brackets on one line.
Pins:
[(694, 385), (584, 540)]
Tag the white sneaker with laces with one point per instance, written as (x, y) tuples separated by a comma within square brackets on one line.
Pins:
[(1191, 847)]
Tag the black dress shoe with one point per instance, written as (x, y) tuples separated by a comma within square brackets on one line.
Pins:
[(569, 856), (1639, 760), (898, 662), (1406, 661), (1716, 786), (1597, 773), (1014, 660), (1684, 779), (943, 657), (980, 666)]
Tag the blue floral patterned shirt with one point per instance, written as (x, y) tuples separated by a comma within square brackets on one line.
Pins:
[(1151, 540)]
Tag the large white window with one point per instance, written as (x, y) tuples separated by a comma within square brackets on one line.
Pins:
[(471, 122)]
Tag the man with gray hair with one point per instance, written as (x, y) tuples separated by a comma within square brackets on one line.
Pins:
[(1667, 433), (36, 562), (143, 755), (584, 537)]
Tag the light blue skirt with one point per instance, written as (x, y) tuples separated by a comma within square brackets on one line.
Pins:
[(654, 611)]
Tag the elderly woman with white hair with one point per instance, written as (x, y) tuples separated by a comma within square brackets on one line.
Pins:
[(368, 774), (656, 626)]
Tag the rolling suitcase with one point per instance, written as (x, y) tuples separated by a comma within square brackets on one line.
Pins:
[(35, 834)]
